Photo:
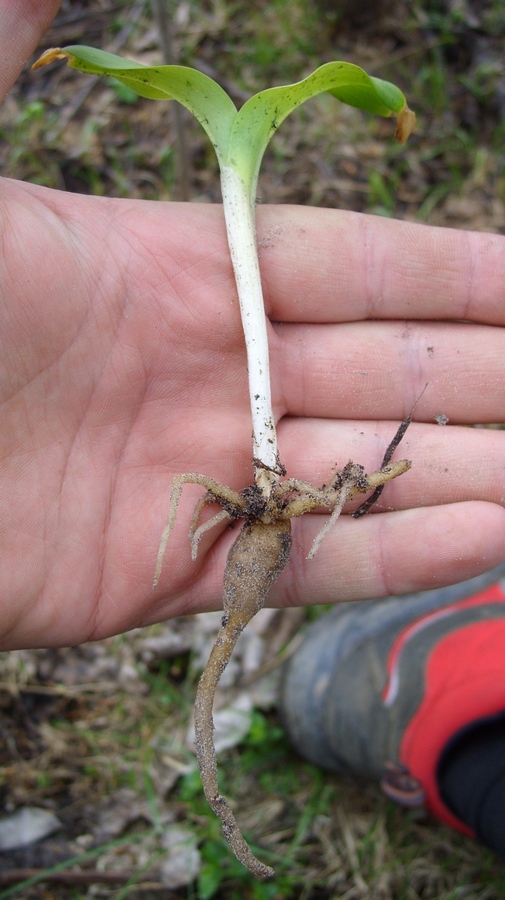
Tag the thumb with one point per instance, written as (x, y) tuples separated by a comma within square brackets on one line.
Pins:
[(22, 23)]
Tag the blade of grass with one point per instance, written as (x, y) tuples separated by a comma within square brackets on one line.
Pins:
[(18, 889)]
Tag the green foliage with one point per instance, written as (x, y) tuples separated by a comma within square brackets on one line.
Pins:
[(263, 732), (124, 93), (217, 867), (23, 143), (239, 137), (190, 786)]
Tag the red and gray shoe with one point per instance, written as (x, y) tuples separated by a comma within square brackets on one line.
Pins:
[(402, 690)]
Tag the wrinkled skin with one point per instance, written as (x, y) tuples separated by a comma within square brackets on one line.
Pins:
[(122, 364)]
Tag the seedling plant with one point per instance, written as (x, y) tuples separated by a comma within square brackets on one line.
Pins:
[(267, 505)]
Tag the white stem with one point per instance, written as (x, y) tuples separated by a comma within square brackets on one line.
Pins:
[(241, 230)]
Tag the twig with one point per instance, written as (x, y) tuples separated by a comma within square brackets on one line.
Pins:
[(86, 877), (367, 505), (162, 13)]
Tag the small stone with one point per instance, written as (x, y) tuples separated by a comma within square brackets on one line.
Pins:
[(27, 826)]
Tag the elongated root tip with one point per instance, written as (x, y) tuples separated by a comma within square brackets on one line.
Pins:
[(236, 840)]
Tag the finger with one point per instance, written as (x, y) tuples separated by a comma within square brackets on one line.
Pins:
[(22, 23), (324, 265), (379, 369), (394, 553), (449, 464)]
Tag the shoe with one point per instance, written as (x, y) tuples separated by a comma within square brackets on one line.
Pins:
[(381, 688)]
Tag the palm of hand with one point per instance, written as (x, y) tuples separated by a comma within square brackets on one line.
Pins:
[(119, 371), (122, 364)]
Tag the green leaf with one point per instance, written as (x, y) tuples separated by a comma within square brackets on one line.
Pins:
[(240, 138), (260, 116), (210, 105)]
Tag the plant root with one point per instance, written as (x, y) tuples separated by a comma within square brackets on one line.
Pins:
[(206, 755), (254, 563)]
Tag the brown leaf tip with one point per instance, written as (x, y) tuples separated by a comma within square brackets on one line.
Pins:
[(405, 124), (50, 56)]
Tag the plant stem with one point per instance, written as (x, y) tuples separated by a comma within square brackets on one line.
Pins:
[(239, 215)]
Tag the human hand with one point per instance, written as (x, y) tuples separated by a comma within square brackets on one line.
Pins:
[(123, 365)]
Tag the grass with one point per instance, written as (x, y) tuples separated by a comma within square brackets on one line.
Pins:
[(108, 753), (112, 762)]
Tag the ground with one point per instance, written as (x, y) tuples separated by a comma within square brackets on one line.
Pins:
[(99, 735)]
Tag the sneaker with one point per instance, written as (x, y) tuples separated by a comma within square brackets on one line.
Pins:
[(383, 688)]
